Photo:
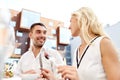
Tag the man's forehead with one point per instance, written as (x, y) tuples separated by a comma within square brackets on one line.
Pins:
[(38, 27)]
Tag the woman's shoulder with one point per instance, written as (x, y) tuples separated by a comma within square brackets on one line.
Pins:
[(105, 40), (102, 39), (107, 46)]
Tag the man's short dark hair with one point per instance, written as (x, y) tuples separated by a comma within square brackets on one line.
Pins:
[(34, 24)]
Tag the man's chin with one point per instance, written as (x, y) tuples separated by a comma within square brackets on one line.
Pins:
[(39, 46)]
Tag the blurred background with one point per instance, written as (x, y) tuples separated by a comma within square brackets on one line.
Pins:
[(55, 14)]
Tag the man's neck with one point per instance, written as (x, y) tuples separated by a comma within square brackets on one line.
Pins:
[(36, 50)]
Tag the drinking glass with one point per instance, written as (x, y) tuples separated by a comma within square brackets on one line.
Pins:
[(48, 61)]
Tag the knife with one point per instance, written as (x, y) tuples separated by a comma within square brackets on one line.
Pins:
[(40, 61)]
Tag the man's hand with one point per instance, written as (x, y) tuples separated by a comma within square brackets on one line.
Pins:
[(47, 74), (30, 72)]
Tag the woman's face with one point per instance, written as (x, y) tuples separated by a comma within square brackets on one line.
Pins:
[(74, 27)]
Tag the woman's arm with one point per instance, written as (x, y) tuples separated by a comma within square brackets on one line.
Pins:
[(110, 60)]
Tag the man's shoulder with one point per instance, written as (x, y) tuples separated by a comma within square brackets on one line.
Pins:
[(50, 50)]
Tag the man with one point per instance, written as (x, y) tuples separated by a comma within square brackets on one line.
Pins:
[(37, 56)]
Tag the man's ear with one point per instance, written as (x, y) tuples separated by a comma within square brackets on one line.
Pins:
[(30, 35)]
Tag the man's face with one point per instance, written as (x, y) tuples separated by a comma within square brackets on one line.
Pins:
[(38, 36)]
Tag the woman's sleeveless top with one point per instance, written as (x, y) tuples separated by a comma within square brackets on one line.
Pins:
[(91, 67)]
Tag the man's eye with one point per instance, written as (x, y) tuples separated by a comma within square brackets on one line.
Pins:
[(45, 32), (38, 32)]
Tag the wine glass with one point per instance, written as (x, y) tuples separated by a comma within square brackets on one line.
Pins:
[(51, 63), (7, 38)]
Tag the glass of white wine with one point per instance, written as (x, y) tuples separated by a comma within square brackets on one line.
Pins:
[(7, 38)]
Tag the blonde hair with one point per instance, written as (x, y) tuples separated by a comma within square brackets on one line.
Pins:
[(88, 23)]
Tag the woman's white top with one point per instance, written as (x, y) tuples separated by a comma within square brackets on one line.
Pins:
[(91, 67)]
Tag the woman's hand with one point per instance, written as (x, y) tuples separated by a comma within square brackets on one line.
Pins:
[(47, 74), (68, 72)]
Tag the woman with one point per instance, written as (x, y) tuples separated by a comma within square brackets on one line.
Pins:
[(96, 57)]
